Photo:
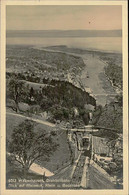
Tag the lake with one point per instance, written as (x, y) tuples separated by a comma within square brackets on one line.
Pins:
[(108, 44)]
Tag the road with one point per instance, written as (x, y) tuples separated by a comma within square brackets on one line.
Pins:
[(33, 119)]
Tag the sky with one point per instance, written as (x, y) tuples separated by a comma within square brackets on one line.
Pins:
[(53, 17)]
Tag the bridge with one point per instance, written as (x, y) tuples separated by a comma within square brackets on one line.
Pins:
[(90, 129)]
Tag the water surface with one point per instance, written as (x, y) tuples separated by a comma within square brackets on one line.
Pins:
[(107, 44)]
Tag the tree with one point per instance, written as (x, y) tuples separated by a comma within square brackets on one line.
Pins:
[(27, 146), (119, 98), (96, 114), (31, 92), (17, 91), (111, 117)]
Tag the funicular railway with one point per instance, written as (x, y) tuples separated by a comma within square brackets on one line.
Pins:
[(79, 170), (84, 139)]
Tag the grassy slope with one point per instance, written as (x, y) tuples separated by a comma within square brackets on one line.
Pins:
[(59, 157)]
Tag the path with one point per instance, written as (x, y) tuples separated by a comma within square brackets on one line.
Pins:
[(33, 119), (40, 170)]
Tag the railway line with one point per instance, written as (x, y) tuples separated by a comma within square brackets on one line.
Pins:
[(77, 176)]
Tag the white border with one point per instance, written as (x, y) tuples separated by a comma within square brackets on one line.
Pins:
[(125, 98)]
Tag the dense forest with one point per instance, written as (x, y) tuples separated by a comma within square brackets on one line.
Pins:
[(114, 73), (110, 116), (113, 68), (57, 97)]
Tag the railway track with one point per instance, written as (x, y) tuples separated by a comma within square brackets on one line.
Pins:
[(77, 176)]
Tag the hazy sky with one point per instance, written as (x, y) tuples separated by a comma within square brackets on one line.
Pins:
[(64, 17)]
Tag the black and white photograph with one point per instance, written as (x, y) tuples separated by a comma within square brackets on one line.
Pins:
[(64, 97)]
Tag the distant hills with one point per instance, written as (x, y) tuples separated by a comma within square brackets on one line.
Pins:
[(64, 33)]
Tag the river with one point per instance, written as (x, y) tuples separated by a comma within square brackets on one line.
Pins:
[(107, 44), (93, 77)]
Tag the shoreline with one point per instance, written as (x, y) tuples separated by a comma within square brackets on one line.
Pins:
[(117, 90), (43, 47)]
